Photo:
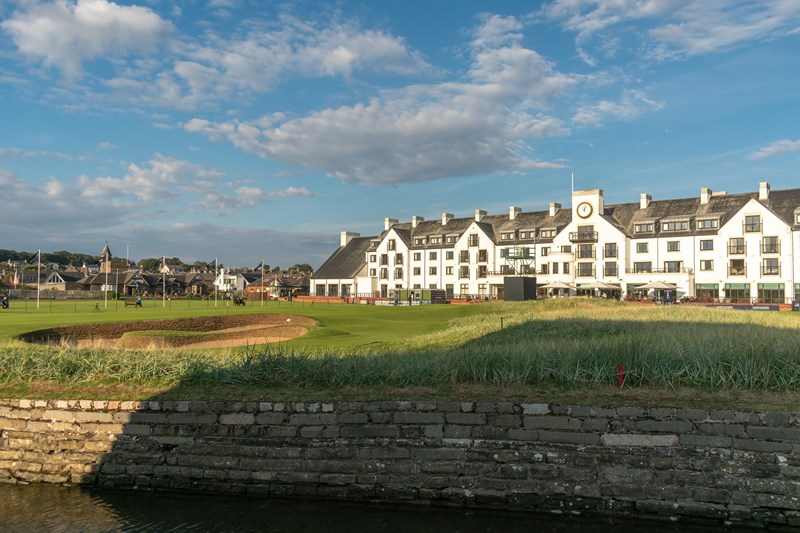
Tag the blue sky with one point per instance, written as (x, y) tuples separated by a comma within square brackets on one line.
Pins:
[(249, 129)]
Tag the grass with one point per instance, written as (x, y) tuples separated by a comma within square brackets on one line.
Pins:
[(567, 349)]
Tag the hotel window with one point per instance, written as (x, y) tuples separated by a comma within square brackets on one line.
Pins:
[(706, 244), (681, 225), (463, 272), (398, 273), (567, 249), (451, 239), (419, 241), (643, 228), (504, 252), (770, 245), (737, 292), (504, 269), (384, 259), (706, 265), (432, 271), (545, 251), (449, 255), (508, 236), (417, 271), (711, 223), (673, 246), (333, 290), (398, 259), (797, 218), (584, 270), (373, 258), (566, 268), (436, 240), (432, 256), (320, 290), (547, 233), (417, 256), (373, 272), (752, 223), (771, 293), (736, 246), (473, 239), (464, 288), (464, 256), (384, 273), (391, 245), (448, 271), (544, 268), (641, 247), (416, 286), (610, 269), (644, 266), (483, 256), (585, 251), (610, 249), (433, 286), (672, 266), (737, 267), (555, 268), (482, 270), (771, 267)]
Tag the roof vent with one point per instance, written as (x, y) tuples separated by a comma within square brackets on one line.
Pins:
[(644, 200)]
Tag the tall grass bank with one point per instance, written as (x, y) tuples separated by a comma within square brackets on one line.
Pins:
[(684, 464)]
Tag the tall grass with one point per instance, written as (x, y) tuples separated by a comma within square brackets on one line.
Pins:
[(567, 343)]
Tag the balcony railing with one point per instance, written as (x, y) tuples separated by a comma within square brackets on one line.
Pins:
[(583, 236), (737, 271), (585, 272), (585, 254), (770, 270), (737, 249), (770, 248), (681, 270)]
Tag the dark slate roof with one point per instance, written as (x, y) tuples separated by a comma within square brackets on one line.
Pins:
[(347, 261)]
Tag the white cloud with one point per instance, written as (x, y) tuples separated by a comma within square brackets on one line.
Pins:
[(677, 28), (631, 104), (19, 153), (421, 132), (65, 34), (104, 146), (496, 30), (784, 146)]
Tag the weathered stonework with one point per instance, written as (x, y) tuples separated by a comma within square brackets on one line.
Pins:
[(687, 464)]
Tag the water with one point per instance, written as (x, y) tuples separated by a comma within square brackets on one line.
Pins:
[(41, 507)]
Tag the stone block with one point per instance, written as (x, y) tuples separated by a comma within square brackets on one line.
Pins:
[(419, 418), (761, 446), (466, 419), (773, 433), (716, 428), (191, 418), (270, 419), (663, 426), (637, 440), (316, 419), (369, 431), (535, 408), (552, 422), (237, 419), (569, 438)]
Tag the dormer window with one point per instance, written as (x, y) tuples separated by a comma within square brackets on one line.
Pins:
[(675, 225), (647, 227), (436, 240), (547, 233), (507, 236), (419, 241), (708, 223), (451, 239)]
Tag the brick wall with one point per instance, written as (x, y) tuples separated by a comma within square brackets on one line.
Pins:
[(688, 464)]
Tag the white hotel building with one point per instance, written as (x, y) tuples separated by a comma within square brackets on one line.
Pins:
[(715, 247)]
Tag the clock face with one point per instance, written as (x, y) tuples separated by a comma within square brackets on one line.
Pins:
[(584, 210)]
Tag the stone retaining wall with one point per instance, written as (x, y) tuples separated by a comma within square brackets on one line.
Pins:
[(686, 464)]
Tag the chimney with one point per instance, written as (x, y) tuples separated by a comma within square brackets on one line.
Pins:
[(415, 220), (554, 207), (347, 236), (644, 200), (513, 211), (389, 222), (446, 217), (763, 191), (705, 195), (479, 214)]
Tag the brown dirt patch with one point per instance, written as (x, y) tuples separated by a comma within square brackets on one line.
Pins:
[(189, 333)]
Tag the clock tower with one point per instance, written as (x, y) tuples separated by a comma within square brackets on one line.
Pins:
[(587, 204)]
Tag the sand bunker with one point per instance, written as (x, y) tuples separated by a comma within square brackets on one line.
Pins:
[(186, 333)]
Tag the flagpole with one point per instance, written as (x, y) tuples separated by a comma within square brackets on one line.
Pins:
[(262, 282), (38, 277), (164, 282), (215, 281)]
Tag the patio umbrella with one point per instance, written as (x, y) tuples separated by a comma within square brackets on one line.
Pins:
[(657, 285), (556, 285), (598, 285)]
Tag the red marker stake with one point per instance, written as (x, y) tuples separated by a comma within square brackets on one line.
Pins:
[(621, 376)]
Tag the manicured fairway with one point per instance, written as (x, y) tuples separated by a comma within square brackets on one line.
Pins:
[(577, 347)]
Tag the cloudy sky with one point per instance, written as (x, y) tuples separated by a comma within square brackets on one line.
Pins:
[(250, 129)]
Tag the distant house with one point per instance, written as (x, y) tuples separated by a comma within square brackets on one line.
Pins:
[(64, 281), (346, 270)]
